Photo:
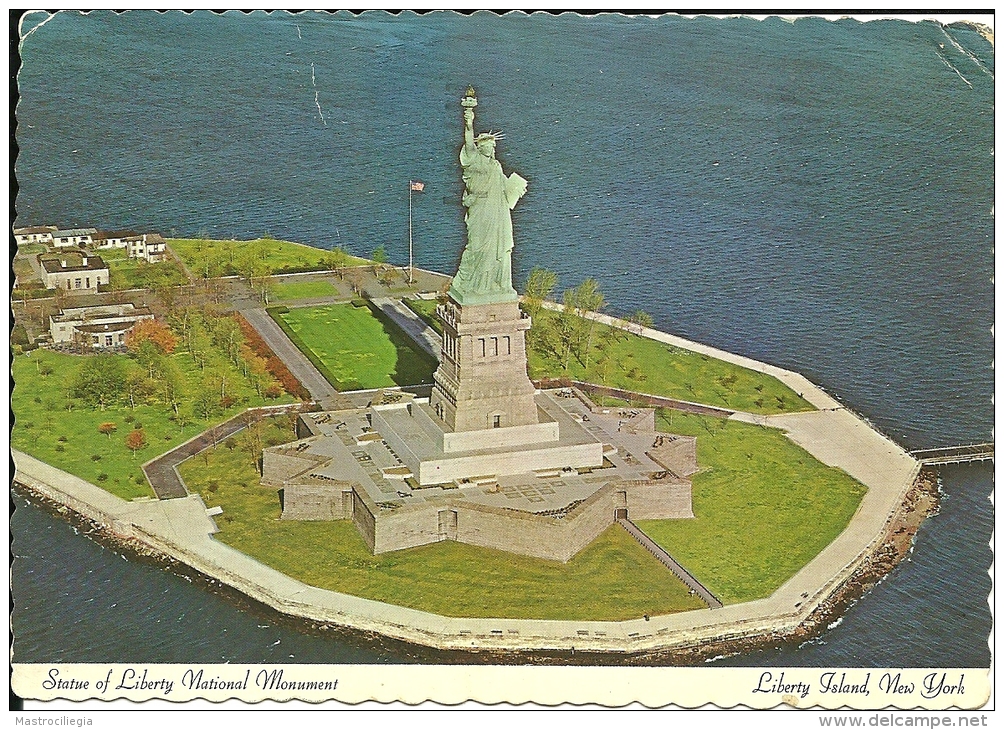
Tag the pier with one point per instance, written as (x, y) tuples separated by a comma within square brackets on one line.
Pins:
[(955, 454)]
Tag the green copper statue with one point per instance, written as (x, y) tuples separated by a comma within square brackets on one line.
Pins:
[(485, 273)]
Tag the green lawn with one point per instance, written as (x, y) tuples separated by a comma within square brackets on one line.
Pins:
[(626, 360), (44, 414), (763, 507), (127, 273), (219, 258), (613, 579), (354, 348), (286, 291)]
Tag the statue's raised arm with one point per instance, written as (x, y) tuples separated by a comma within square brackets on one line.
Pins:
[(485, 273)]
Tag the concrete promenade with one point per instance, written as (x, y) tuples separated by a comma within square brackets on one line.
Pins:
[(416, 328), (181, 529)]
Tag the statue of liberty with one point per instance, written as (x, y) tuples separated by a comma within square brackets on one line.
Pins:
[(485, 273)]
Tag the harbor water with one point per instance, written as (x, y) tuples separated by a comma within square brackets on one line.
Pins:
[(813, 194)]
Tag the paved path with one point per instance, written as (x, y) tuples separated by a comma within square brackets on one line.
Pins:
[(304, 370), (162, 472), (413, 325)]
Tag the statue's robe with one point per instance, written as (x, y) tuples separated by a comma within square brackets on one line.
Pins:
[(486, 264)]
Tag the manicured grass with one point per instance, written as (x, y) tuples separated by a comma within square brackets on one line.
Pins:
[(219, 258), (42, 418), (613, 579), (354, 348), (286, 291), (763, 507), (626, 360), (127, 273), (426, 309)]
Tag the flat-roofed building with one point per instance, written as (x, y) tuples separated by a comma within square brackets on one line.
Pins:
[(97, 327), (34, 234), (73, 237)]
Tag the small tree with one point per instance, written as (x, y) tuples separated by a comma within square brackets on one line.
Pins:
[(108, 428), (380, 254), (641, 319), (135, 440)]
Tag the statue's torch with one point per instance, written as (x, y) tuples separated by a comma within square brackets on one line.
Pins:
[(471, 100)]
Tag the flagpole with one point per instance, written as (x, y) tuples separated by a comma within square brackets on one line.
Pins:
[(411, 258)]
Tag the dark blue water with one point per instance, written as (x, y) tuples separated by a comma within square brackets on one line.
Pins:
[(818, 195)]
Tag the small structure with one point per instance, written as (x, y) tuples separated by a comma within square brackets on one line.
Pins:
[(74, 271), (34, 234), (73, 237), (100, 327)]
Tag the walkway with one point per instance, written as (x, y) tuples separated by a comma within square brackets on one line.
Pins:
[(413, 325), (955, 454), (670, 562), (162, 472), (298, 364)]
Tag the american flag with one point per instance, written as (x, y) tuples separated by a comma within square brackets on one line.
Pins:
[(417, 186)]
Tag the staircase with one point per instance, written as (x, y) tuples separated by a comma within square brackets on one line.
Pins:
[(666, 559)]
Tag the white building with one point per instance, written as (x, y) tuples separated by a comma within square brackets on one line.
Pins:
[(115, 239), (73, 237), (73, 271), (97, 327), (150, 246), (34, 234)]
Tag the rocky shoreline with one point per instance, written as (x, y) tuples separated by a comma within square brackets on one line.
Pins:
[(920, 501)]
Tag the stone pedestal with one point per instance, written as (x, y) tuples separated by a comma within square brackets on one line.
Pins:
[(481, 382)]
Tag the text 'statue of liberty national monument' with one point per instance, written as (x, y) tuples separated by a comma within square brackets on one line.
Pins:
[(486, 459)]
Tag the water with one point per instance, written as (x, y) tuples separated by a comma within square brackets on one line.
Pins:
[(818, 195)]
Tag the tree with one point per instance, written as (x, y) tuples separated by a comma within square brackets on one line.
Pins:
[(379, 255), (539, 286), (100, 380), (153, 331), (108, 428), (584, 299), (335, 260), (135, 440), (641, 319)]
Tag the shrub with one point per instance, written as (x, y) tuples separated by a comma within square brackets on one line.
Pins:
[(140, 480), (95, 457), (273, 391), (137, 425), (62, 439), (213, 485), (102, 477), (129, 418), (60, 448)]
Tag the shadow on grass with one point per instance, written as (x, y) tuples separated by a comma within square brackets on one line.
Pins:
[(412, 365)]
